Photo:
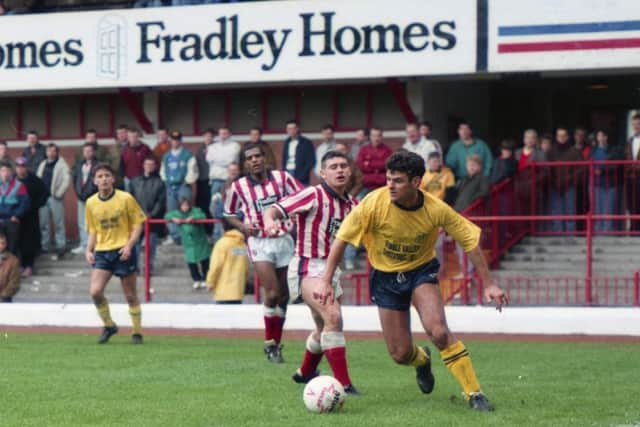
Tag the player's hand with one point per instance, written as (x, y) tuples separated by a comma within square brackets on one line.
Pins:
[(251, 229), (91, 258), (271, 227), (494, 293), (325, 294), (125, 253)]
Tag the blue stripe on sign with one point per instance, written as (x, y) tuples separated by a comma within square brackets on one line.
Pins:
[(589, 27)]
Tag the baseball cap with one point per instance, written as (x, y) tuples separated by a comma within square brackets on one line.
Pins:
[(21, 161)]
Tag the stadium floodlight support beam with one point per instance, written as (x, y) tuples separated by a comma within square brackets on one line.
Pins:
[(136, 110)]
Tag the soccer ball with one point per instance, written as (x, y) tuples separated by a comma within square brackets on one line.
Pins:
[(323, 394)]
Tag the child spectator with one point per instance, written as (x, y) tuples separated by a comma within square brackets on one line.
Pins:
[(473, 186), (505, 166), (194, 240), (229, 268), (9, 272), (438, 178)]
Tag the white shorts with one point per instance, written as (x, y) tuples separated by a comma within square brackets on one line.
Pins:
[(299, 268), (276, 250)]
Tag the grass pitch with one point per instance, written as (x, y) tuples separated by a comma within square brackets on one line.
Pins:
[(68, 380)]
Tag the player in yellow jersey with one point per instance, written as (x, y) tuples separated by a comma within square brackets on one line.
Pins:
[(114, 223), (399, 227)]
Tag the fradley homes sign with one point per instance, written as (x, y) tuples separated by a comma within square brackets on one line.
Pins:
[(563, 35), (250, 42)]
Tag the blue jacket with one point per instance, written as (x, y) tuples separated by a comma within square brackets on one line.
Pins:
[(14, 200), (305, 159)]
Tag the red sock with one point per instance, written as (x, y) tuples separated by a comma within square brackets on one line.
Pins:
[(278, 326), (310, 363), (337, 358), (270, 325)]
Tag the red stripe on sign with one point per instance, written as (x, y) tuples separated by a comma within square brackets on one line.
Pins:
[(569, 45)]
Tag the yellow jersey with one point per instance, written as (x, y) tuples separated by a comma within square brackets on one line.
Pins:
[(113, 219), (436, 183), (401, 239), (229, 267)]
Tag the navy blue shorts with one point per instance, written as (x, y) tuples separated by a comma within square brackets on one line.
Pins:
[(110, 261), (394, 290)]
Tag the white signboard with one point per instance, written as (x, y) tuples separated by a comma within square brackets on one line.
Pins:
[(237, 43), (563, 35)]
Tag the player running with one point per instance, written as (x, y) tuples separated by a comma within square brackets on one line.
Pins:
[(399, 227), (114, 223), (319, 211), (270, 253)]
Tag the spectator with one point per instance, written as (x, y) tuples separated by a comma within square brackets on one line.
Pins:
[(229, 267), (473, 186), (29, 235), (426, 129), (505, 166), (562, 194), (14, 203), (179, 172), (102, 153), (546, 144), (418, 144), (255, 137), (606, 180), (9, 272), (216, 205), (530, 152), (438, 179), (298, 155), (632, 173), (132, 157), (194, 240), (220, 155), (35, 153), (56, 176), (4, 153), (355, 181), (372, 160), (163, 145), (84, 187), (465, 146), (114, 158), (328, 143), (151, 194), (203, 189), (361, 139), (581, 141)]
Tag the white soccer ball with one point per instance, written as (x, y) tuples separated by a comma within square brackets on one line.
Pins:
[(323, 394)]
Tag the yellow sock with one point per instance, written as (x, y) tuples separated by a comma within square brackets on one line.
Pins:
[(456, 358), (103, 312), (419, 357), (136, 319)]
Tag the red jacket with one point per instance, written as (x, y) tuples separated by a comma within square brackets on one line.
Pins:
[(133, 158), (371, 161)]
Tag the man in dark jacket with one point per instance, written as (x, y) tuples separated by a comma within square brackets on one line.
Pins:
[(150, 192), (298, 154), (203, 189), (35, 153), (85, 188), (14, 203), (505, 166), (29, 235)]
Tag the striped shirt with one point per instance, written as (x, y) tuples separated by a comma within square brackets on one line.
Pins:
[(253, 198), (320, 212)]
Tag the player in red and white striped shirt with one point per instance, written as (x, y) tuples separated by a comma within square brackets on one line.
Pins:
[(319, 210), (270, 253)]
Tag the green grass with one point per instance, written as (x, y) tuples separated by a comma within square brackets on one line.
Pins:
[(68, 380)]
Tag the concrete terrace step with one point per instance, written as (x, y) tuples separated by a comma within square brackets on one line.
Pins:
[(616, 259), (551, 267), (570, 240)]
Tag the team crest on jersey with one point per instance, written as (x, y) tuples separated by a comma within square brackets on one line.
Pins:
[(334, 226), (264, 203)]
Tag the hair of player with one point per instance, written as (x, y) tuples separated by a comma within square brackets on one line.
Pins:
[(103, 167), (406, 162), (251, 146), (333, 154)]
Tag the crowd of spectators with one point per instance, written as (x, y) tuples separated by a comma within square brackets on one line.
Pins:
[(181, 185)]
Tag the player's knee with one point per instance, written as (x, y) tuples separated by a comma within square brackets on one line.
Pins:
[(332, 319), (97, 295), (440, 336)]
